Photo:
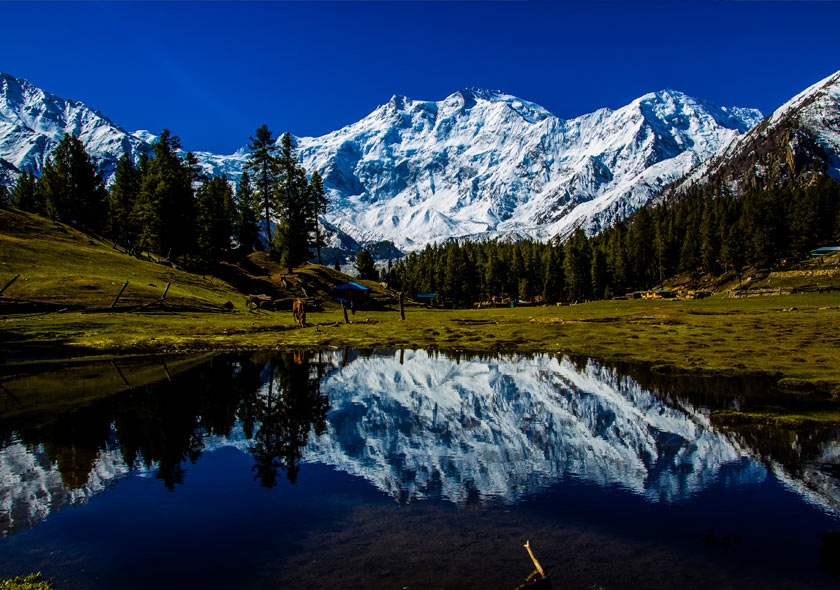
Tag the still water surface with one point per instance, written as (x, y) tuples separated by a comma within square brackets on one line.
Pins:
[(403, 469)]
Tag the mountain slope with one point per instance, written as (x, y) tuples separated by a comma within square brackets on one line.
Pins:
[(799, 140), (33, 121), (477, 164), (482, 163)]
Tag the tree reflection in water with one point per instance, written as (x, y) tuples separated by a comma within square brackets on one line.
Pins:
[(287, 410), (275, 398)]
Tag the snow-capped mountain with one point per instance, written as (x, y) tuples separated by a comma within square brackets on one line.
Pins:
[(800, 138), (31, 487), (419, 425), (485, 164), (33, 121), (477, 164), (426, 426)]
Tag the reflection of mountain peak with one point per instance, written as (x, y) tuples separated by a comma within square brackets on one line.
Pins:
[(415, 425), (505, 428), (31, 487)]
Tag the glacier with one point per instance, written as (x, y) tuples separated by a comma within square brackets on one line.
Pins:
[(479, 164)]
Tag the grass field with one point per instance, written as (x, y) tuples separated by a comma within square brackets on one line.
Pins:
[(795, 336), (790, 337)]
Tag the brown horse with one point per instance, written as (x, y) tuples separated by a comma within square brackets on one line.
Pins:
[(299, 312)]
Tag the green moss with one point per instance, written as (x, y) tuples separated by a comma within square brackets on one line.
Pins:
[(778, 417), (34, 581)]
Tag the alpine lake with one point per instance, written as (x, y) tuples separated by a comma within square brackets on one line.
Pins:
[(405, 469)]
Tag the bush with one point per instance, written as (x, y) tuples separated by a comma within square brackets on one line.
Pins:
[(34, 581)]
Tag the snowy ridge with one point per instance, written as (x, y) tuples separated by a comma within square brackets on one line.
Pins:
[(33, 121), (504, 429), (485, 164), (478, 164), (814, 111)]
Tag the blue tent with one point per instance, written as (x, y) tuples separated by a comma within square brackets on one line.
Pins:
[(351, 292), (350, 287)]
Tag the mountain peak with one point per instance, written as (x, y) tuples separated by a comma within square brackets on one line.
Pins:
[(801, 138), (479, 163)]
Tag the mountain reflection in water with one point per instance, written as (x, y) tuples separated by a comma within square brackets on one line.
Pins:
[(416, 425)]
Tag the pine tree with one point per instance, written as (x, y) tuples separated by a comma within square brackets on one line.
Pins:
[(24, 194), (365, 266), (164, 212), (598, 274), (690, 252), (318, 201), (246, 232), (215, 217), (71, 188), (121, 200), (553, 270), (616, 260), (804, 222), (577, 266), (709, 246), (263, 165), (453, 289), (291, 240)]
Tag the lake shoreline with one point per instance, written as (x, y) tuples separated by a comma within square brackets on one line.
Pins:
[(787, 340)]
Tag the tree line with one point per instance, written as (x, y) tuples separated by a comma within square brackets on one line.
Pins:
[(164, 203), (277, 400), (707, 231)]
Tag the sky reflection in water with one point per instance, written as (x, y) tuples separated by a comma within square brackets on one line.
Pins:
[(242, 459)]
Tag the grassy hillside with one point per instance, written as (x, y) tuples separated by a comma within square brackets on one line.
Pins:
[(59, 264), (794, 338)]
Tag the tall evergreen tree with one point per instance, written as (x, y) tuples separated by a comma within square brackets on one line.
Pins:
[(616, 259), (577, 266), (246, 233), (709, 246), (598, 274), (553, 274), (216, 213), (71, 187), (364, 266), (24, 194), (121, 200), (164, 211), (264, 168), (318, 201), (291, 240)]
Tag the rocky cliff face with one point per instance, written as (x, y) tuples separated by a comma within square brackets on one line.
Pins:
[(799, 140)]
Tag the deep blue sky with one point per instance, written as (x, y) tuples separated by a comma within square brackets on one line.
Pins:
[(213, 72)]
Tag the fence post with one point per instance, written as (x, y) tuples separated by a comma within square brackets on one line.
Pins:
[(6, 286), (114, 302)]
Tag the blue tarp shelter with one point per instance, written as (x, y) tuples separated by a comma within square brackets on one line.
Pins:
[(351, 292)]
